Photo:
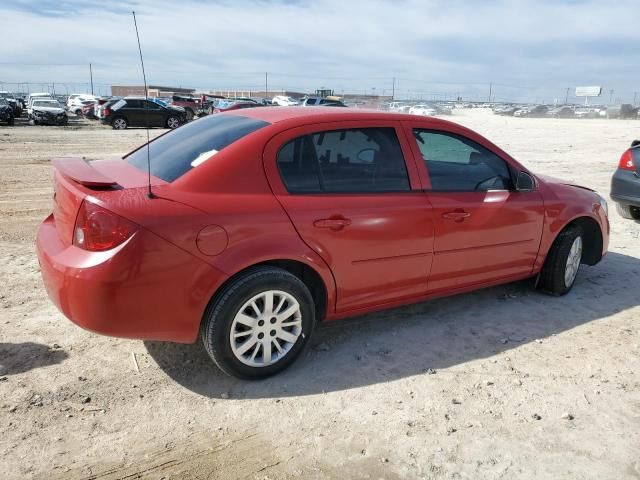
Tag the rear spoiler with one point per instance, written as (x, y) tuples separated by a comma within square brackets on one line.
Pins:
[(79, 170)]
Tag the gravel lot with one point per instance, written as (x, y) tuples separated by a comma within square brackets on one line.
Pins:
[(501, 383)]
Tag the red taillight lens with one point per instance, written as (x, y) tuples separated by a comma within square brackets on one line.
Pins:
[(106, 112), (97, 229), (626, 161)]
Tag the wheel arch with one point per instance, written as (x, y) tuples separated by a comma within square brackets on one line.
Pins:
[(321, 293), (593, 238)]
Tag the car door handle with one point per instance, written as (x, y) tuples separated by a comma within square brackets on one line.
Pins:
[(336, 223), (457, 216)]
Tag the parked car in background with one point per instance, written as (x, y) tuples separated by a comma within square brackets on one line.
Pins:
[(536, 111), (191, 105), (586, 112), (88, 109), (561, 112), (624, 111), (100, 103), (229, 104), (424, 110), (75, 102), (207, 101), (6, 112), (625, 184), (284, 101), (47, 111), (321, 102), (267, 221), (13, 102), (38, 95), (141, 112)]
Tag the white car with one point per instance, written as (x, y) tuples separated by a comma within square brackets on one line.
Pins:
[(283, 101), (424, 110), (74, 102), (40, 96), (398, 107), (46, 111)]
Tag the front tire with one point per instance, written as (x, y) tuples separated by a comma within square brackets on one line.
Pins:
[(628, 212), (173, 122), (259, 324), (563, 261)]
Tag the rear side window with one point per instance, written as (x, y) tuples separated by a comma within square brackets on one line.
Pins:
[(458, 164), (132, 103), (344, 161), (175, 153)]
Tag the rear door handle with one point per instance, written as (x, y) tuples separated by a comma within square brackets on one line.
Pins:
[(457, 216), (337, 223)]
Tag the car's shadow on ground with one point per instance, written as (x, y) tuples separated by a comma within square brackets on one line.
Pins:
[(22, 357), (410, 340)]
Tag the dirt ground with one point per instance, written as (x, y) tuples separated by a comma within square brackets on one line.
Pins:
[(501, 383)]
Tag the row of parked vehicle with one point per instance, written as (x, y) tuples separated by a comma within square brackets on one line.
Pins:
[(623, 111)]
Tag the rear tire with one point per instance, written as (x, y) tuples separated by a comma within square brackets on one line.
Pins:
[(119, 123), (240, 311), (627, 211), (561, 266)]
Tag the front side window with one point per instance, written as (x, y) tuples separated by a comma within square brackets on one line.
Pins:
[(344, 161), (458, 164)]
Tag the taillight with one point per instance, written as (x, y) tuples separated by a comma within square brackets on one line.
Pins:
[(106, 112), (98, 229), (626, 161)]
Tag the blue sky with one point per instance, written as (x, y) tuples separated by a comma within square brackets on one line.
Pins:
[(527, 49)]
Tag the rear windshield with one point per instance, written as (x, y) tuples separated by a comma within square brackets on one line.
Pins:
[(177, 152)]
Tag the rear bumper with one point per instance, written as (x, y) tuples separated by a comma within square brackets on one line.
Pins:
[(625, 188), (146, 288)]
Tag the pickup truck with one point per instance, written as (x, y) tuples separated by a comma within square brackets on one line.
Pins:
[(191, 105)]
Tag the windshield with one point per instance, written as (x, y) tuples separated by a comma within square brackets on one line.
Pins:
[(46, 103), (177, 152)]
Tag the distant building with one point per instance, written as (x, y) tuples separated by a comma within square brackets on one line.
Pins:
[(154, 91)]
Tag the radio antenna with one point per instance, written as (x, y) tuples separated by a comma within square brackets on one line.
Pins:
[(146, 117)]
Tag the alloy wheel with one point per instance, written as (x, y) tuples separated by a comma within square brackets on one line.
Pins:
[(119, 124), (265, 328)]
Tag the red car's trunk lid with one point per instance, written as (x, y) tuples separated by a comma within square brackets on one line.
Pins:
[(75, 179)]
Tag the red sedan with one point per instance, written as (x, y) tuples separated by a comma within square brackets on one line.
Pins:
[(260, 223)]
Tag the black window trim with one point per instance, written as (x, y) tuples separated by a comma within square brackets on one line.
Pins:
[(512, 173), (395, 128)]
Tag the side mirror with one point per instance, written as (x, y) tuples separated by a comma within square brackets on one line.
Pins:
[(525, 182)]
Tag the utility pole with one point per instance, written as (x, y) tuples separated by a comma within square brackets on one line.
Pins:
[(91, 76), (393, 89), (566, 97), (266, 84), (490, 89), (634, 97), (611, 97)]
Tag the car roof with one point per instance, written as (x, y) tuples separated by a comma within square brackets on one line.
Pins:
[(304, 115)]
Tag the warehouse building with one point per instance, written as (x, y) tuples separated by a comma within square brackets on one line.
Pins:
[(154, 91)]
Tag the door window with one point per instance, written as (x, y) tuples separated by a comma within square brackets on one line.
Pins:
[(344, 161), (134, 103), (458, 164)]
